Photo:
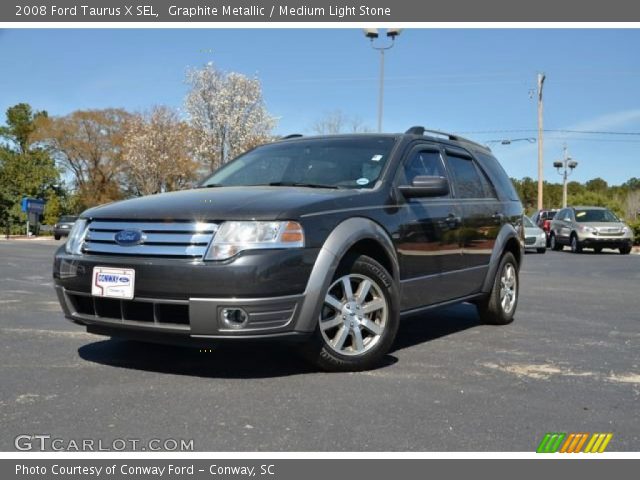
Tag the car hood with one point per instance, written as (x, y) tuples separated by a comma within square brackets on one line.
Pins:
[(228, 203), (532, 231)]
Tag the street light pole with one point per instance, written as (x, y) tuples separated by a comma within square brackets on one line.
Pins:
[(372, 34), (381, 91), (541, 78), (567, 164)]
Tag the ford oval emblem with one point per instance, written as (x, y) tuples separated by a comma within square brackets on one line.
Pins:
[(128, 238)]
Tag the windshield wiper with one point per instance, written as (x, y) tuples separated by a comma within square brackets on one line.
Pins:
[(302, 184)]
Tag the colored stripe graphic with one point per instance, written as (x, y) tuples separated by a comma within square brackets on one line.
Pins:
[(555, 442), (598, 442), (574, 443), (551, 443)]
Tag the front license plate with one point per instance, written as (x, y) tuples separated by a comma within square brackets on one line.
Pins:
[(113, 282)]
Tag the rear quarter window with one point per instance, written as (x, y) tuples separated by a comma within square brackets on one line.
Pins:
[(497, 175)]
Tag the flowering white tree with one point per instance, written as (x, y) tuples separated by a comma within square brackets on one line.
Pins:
[(156, 152), (227, 114)]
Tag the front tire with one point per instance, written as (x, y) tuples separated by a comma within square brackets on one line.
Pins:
[(57, 237), (541, 250), (500, 306), (358, 320), (553, 243), (625, 250), (575, 244)]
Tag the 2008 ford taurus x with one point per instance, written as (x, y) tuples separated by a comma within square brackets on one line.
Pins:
[(329, 240)]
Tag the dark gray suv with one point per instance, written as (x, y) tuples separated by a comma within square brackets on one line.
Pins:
[(326, 240)]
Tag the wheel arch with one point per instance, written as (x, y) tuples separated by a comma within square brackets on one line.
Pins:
[(357, 234), (508, 240)]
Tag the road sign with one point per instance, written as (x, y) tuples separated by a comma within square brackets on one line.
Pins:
[(32, 205)]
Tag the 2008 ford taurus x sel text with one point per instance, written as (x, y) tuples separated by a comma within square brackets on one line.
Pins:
[(328, 240)]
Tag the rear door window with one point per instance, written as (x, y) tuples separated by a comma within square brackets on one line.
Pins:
[(497, 175), (467, 178)]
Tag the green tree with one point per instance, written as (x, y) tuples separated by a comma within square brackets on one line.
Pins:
[(26, 169), (597, 200), (598, 185), (21, 125)]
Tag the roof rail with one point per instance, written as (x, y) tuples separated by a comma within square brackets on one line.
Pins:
[(293, 135), (417, 130)]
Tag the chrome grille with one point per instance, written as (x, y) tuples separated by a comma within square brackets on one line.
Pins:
[(610, 231), (175, 239)]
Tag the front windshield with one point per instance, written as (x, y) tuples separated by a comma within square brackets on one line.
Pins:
[(354, 162), (584, 216), (527, 222)]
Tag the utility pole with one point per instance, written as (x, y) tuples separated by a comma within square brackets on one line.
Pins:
[(567, 164), (541, 78)]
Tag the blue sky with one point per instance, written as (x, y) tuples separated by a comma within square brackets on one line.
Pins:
[(469, 80)]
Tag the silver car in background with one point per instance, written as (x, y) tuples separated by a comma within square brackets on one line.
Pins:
[(590, 227), (534, 237)]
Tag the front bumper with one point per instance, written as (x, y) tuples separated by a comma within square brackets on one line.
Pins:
[(61, 232), (599, 241), (178, 300), (535, 242)]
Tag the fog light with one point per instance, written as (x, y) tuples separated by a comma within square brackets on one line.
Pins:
[(234, 317)]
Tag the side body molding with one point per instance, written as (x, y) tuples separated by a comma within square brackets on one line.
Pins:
[(506, 234), (341, 239)]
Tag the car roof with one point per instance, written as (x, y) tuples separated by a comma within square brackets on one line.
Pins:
[(430, 135), (581, 207)]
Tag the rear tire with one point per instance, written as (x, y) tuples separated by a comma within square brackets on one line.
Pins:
[(625, 250), (541, 250), (575, 244), (358, 320), (57, 237), (500, 306), (553, 243)]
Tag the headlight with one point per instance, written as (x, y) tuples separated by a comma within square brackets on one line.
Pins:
[(587, 229), (625, 229), (76, 237), (234, 237)]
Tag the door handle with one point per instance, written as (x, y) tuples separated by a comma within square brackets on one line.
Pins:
[(453, 221)]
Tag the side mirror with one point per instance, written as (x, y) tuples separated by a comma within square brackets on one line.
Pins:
[(426, 186)]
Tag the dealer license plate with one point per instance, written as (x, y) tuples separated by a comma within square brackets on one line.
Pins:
[(113, 282)]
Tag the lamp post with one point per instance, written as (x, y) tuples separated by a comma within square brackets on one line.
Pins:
[(567, 164), (509, 141), (372, 34)]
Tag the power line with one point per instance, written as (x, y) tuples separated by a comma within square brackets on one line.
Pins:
[(549, 130)]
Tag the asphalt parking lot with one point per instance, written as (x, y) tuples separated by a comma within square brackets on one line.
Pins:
[(569, 363)]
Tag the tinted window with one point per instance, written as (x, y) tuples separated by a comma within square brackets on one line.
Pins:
[(67, 219), (584, 215), (466, 177), (339, 162), (497, 174), (421, 163)]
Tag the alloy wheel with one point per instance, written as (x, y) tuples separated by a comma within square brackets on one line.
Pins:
[(354, 315), (508, 288)]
